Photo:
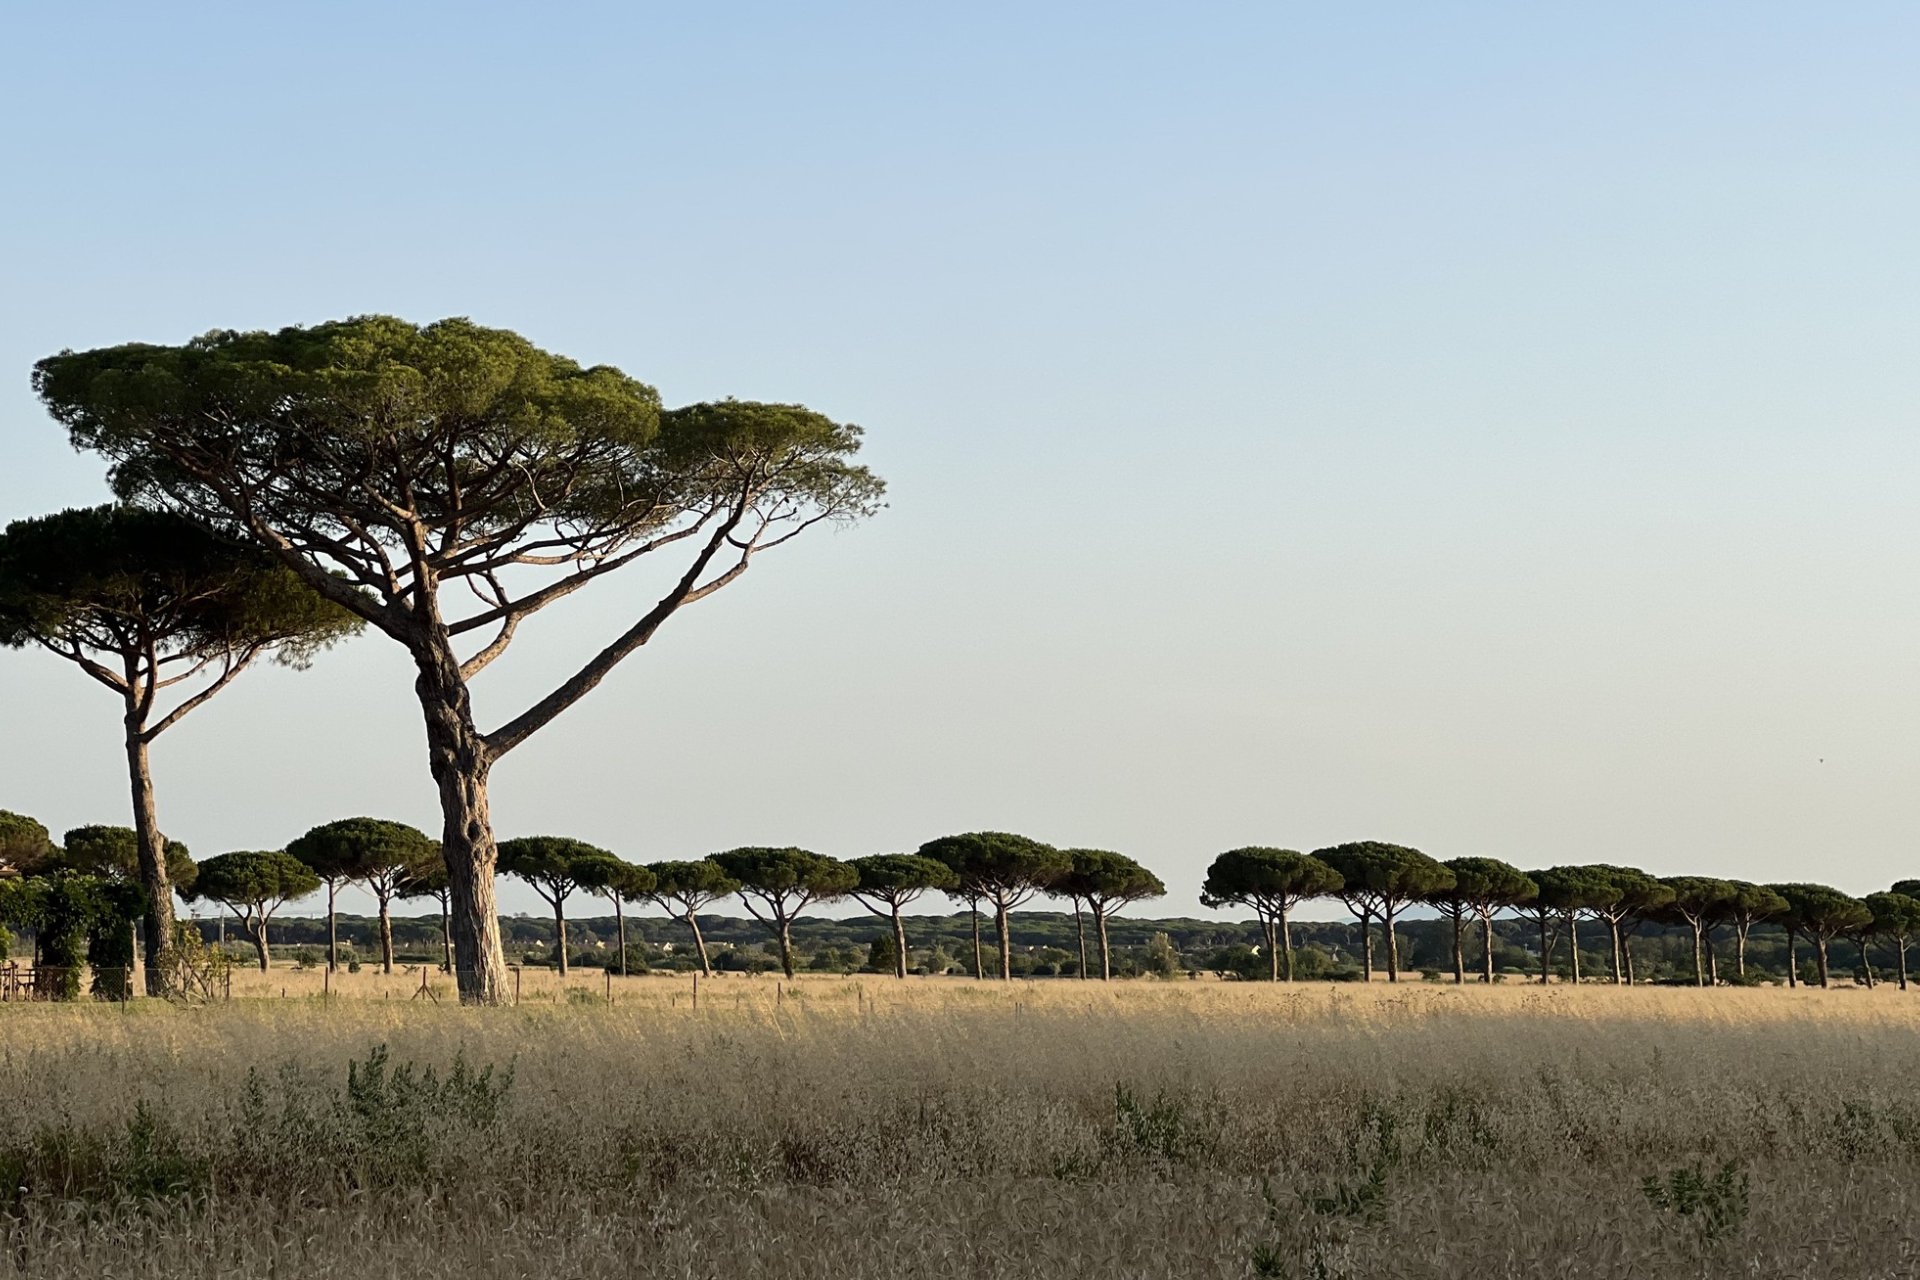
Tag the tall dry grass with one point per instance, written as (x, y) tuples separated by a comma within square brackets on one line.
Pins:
[(948, 1128)]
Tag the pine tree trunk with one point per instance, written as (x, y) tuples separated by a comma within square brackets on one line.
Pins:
[(1713, 961), (979, 967), (1285, 931), (1080, 928), (620, 917), (1866, 963), (560, 934), (446, 934), (1393, 949), (1699, 960), (1573, 945), (1273, 948), (1459, 952), (1793, 960), (1626, 955), (1366, 947), (1903, 963), (1613, 935), (699, 944), (460, 761), (1820, 945), (153, 856), (386, 934), (1106, 961), (1006, 943), (786, 947), (260, 943), (333, 926), (1486, 945), (1740, 949), (899, 944)]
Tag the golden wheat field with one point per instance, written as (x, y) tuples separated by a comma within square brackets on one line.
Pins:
[(946, 1128)]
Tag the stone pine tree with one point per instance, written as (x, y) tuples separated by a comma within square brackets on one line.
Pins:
[(166, 613), (618, 881), (26, 846), (1003, 869), (1561, 893), (1819, 913), (1107, 882), (1481, 887), (1751, 904), (376, 852), (446, 483), (548, 863), (776, 885), (253, 884), (1270, 883), (1631, 895), (1382, 880), (1702, 904), (113, 853), (1896, 917), (684, 889), (889, 882), (428, 879), (1571, 892)]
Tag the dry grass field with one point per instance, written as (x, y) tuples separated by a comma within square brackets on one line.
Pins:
[(945, 1128)]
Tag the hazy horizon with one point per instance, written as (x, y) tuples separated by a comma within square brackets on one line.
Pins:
[(1488, 430)]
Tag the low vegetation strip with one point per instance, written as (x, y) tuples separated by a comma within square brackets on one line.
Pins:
[(949, 1129)]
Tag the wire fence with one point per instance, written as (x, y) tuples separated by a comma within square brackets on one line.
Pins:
[(425, 983), (20, 984)]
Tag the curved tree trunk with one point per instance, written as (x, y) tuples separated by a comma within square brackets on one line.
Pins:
[(1080, 929), (979, 966), (899, 944), (259, 932), (1573, 946), (1866, 963), (386, 933), (1106, 960), (1613, 935), (1820, 950), (699, 944), (1459, 952), (1284, 929), (560, 934), (1366, 946), (1740, 948), (1699, 958), (1002, 932), (158, 923), (1793, 960), (620, 917), (333, 925), (1486, 945), (1901, 943), (1393, 948), (1626, 952), (783, 927), (460, 761)]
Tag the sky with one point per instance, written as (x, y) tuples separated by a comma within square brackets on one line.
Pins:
[(1485, 427)]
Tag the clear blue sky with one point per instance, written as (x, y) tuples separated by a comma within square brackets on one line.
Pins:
[(1487, 427)]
